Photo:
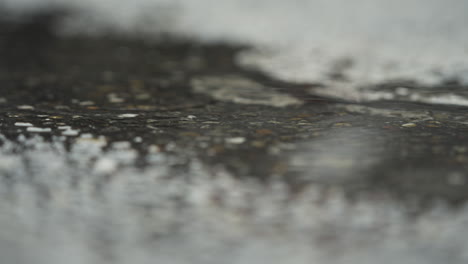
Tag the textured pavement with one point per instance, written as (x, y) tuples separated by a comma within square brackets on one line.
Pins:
[(129, 150)]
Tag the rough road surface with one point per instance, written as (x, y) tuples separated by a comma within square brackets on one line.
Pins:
[(129, 150)]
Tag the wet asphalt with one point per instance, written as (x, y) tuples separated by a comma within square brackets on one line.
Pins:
[(402, 148), (182, 98)]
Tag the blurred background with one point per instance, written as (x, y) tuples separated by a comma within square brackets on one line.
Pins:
[(364, 43)]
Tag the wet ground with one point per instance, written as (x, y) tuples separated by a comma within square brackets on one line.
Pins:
[(129, 140)]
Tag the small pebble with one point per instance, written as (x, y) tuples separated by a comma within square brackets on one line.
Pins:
[(38, 129), (409, 125), (127, 115), (25, 107), (235, 140), (22, 124)]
